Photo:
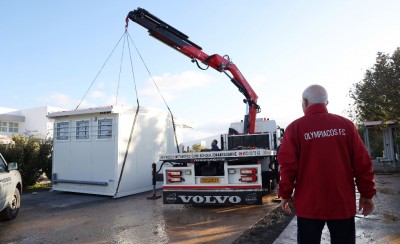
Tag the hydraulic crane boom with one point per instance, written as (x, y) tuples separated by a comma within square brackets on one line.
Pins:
[(180, 42)]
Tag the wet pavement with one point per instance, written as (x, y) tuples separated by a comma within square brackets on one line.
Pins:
[(57, 217), (382, 226)]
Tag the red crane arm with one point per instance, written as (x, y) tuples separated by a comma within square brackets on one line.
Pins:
[(180, 42)]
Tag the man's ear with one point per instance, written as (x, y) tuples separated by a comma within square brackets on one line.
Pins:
[(327, 102), (305, 102)]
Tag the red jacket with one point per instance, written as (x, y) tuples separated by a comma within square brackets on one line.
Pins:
[(321, 158)]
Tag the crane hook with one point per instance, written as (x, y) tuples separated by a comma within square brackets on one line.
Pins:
[(126, 22)]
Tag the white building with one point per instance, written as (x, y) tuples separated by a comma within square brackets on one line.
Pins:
[(20, 121), (96, 151), (391, 149)]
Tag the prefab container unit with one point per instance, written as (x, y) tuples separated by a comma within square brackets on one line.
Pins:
[(91, 147)]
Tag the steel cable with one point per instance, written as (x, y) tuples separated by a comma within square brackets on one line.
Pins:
[(97, 75), (154, 82)]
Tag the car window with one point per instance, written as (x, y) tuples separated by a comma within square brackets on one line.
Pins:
[(2, 165)]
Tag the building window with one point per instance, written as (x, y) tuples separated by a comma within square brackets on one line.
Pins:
[(82, 129), (13, 127), (104, 128), (62, 130), (3, 126)]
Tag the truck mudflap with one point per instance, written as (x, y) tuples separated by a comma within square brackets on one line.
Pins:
[(213, 197)]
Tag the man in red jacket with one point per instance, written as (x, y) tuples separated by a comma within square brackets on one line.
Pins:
[(322, 158)]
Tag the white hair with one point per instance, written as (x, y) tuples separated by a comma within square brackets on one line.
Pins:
[(315, 94)]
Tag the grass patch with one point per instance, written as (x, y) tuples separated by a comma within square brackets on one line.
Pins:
[(38, 187)]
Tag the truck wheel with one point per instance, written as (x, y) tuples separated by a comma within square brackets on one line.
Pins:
[(11, 211)]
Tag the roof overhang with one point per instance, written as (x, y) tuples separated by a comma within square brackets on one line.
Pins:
[(113, 109), (97, 110), (378, 123), (12, 118)]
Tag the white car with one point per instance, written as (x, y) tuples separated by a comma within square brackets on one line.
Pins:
[(10, 190)]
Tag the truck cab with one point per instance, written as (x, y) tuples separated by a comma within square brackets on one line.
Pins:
[(10, 190)]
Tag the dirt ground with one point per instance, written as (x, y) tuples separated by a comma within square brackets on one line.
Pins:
[(268, 229)]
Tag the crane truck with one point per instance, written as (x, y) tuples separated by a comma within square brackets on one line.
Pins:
[(242, 171)]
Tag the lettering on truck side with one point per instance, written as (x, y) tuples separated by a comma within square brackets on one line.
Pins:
[(224, 154), (250, 153), (215, 155), (250, 198), (210, 199)]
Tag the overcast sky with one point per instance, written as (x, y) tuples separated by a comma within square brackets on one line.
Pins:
[(51, 51)]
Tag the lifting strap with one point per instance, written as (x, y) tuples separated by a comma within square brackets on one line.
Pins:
[(172, 116), (137, 110), (128, 38), (98, 73), (134, 119)]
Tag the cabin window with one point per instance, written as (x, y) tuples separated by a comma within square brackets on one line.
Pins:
[(104, 128), (62, 130), (82, 129)]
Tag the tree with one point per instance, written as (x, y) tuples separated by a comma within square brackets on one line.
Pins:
[(196, 147), (32, 154), (377, 96), (45, 158)]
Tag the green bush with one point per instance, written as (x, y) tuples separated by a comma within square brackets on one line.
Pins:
[(33, 155), (196, 147)]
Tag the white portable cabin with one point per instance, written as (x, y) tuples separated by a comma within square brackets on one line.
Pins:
[(91, 152)]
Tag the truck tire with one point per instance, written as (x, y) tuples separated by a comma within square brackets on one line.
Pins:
[(11, 211)]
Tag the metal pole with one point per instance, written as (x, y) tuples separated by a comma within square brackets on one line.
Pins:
[(154, 196)]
